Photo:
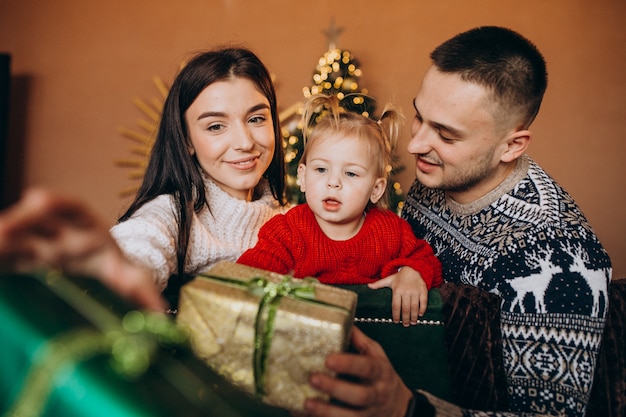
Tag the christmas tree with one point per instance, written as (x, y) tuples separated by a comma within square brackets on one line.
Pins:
[(337, 73)]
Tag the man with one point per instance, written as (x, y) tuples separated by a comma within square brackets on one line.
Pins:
[(497, 221)]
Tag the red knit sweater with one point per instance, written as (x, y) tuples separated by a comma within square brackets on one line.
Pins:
[(294, 243)]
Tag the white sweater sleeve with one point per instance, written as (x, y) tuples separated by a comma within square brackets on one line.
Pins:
[(149, 238), (222, 232)]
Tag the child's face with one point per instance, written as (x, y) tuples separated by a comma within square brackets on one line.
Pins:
[(339, 179), (232, 135)]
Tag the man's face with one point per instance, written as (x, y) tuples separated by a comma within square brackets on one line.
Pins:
[(454, 137)]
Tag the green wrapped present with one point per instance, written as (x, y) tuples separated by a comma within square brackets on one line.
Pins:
[(70, 347), (266, 332), (418, 352)]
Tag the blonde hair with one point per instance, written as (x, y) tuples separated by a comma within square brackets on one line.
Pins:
[(324, 114)]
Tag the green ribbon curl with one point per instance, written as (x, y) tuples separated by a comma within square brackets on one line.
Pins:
[(131, 342)]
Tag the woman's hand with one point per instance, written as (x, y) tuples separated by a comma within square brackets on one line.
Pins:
[(378, 390), (46, 230)]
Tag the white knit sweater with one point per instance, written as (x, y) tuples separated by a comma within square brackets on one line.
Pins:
[(231, 226)]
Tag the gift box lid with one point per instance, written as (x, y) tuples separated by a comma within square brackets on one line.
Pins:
[(331, 295)]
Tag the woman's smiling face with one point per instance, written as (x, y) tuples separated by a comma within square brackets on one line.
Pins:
[(232, 135)]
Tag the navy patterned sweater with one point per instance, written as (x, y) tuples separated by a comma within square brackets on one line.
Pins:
[(528, 242)]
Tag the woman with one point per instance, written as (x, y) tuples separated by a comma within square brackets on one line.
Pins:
[(216, 171)]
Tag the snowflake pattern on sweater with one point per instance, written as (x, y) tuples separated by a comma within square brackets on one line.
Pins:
[(528, 242)]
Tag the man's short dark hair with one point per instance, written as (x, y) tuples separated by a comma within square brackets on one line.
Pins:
[(503, 61)]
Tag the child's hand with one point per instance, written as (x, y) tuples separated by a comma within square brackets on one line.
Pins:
[(410, 295)]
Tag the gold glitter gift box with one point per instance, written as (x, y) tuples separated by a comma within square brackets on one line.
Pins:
[(265, 332)]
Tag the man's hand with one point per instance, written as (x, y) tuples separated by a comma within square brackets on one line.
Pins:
[(378, 390)]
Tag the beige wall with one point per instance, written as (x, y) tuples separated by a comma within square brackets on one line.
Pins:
[(79, 64)]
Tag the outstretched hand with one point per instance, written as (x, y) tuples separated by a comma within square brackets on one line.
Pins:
[(46, 230), (378, 390), (409, 295)]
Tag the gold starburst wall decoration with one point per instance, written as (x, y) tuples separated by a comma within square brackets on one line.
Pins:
[(143, 137)]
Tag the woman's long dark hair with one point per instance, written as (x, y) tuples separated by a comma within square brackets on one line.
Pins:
[(171, 169)]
